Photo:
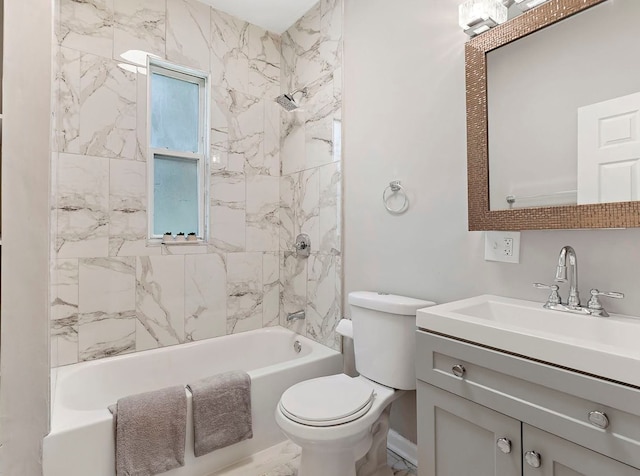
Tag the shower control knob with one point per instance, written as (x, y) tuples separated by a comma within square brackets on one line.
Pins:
[(458, 370), (504, 445), (533, 459)]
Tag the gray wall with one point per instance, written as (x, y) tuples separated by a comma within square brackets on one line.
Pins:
[(405, 119), (24, 394)]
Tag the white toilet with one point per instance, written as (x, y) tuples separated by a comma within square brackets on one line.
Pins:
[(341, 422)]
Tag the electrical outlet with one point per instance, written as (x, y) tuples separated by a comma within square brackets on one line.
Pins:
[(503, 246), (507, 246)]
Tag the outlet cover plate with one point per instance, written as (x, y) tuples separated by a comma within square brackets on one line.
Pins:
[(497, 244)]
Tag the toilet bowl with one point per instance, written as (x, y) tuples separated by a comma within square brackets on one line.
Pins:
[(341, 422), (331, 419)]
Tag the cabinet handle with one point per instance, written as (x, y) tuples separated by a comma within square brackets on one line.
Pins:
[(533, 459), (504, 445), (599, 419), (458, 370)]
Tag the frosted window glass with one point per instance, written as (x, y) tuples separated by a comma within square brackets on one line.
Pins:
[(175, 199), (175, 111)]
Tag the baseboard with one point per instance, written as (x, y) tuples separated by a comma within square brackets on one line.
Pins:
[(402, 447)]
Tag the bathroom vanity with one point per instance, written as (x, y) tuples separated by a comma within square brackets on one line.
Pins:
[(503, 391)]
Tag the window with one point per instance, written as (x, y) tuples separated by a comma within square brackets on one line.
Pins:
[(178, 155)]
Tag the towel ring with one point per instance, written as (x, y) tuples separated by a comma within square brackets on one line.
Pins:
[(395, 187)]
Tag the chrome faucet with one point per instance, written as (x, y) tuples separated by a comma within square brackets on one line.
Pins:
[(554, 302), (567, 252), (295, 316)]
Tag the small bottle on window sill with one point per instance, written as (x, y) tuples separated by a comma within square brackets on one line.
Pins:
[(167, 237), (180, 237), (192, 237)]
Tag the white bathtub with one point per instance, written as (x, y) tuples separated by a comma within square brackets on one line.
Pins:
[(81, 442)]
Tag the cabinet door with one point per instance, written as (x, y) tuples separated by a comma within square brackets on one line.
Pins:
[(559, 457), (457, 437)]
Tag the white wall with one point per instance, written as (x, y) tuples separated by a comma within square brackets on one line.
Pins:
[(24, 394), (404, 119)]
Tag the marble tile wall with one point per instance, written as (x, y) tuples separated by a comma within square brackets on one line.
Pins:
[(112, 293), (311, 181)]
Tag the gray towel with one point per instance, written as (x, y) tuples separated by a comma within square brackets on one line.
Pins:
[(150, 431), (221, 411)]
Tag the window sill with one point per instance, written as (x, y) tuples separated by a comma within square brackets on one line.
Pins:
[(160, 241)]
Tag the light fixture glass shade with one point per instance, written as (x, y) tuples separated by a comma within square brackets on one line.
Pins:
[(525, 5), (478, 16)]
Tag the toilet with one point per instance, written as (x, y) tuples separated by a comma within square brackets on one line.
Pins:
[(341, 422)]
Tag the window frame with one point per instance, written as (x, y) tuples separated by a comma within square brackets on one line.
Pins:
[(202, 156)]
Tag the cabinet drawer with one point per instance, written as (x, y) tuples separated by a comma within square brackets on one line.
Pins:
[(554, 399)]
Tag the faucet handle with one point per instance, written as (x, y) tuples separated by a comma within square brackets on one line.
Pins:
[(554, 297), (594, 303)]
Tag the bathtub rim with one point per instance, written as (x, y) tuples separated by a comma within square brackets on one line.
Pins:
[(64, 419)]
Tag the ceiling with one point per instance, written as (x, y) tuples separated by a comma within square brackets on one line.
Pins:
[(272, 15)]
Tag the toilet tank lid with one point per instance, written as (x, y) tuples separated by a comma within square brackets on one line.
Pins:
[(390, 303)]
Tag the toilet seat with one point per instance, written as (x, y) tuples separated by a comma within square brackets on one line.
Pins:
[(327, 401)]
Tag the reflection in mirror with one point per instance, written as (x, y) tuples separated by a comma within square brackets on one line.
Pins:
[(563, 120)]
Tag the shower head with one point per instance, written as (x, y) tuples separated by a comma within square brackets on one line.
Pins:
[(288, 102)]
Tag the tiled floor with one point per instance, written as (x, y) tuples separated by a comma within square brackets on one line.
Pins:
[(283, 460)]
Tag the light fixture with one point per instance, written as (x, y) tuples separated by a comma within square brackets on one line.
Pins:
[(525, 5), (478, 16)]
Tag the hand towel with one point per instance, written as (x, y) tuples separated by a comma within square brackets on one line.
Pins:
[(150, 430), (221, 411)]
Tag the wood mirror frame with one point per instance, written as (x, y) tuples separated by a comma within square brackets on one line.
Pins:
[(601, 215)]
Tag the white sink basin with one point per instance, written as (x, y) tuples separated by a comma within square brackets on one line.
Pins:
[(603, 346)]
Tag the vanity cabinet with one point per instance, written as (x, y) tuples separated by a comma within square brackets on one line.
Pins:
[(484, 412)]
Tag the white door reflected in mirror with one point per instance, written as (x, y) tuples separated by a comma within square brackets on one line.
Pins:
[(609, 151)]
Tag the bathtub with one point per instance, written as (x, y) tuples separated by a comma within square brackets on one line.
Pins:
[(81, 441)]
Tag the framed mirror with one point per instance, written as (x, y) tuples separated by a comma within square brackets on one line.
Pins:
[(553, 119)]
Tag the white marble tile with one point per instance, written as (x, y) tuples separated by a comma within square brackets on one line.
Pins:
[(293, 287), (82, 201), (64, 289), (263, 222), (228, 211), (103, 335), (219, 150), (229, 50), (287, 212), (141, 151), (64, 341), (244, 292), (292, 141), (264, 62), (271, 143), (139, 25), (67, 109), (107, 285), (64, 311), (246, 132), (128, 209), (87, 26), (271, 289), (160, 299), (323, 307), (205, 296), (320, 111), (330, 215), (188, 33), (307, 203), (330, 47), (107, 109), (188, 249), (107, 301)]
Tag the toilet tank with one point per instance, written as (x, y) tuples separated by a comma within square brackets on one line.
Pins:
[(384, 340)]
